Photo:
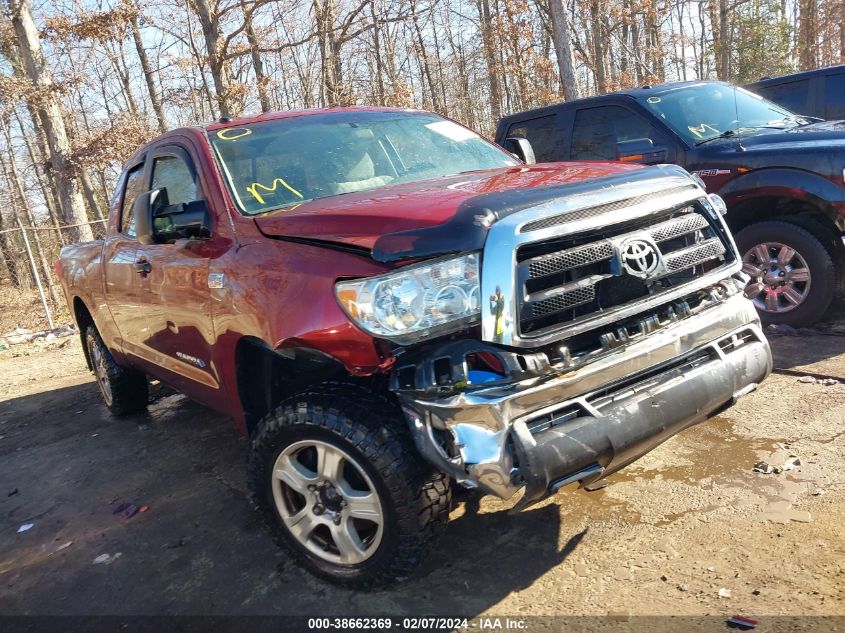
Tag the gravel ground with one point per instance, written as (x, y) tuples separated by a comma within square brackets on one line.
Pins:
[(690, 529)]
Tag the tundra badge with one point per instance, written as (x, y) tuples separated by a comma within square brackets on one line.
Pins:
[(193, 360)]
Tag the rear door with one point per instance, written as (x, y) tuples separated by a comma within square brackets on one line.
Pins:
[(173, 293), (547, 134)]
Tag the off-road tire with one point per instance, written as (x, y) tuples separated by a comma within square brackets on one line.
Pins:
[(128, 387), (416, 499), (819, 259)]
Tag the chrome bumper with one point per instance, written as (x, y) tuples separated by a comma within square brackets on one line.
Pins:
[(603, 415)]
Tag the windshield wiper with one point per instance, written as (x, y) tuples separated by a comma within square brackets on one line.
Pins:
[(724, 134), (802, 120), (728, 133)]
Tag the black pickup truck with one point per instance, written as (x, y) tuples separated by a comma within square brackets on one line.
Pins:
[(782, 175)]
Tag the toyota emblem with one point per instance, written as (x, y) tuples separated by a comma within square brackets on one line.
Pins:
[(639, 258)]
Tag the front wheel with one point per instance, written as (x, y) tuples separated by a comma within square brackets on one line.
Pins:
[(343, 489), (793, 275)]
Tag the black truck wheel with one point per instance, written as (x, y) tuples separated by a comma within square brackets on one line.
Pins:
[(124, 390), (793, 275), (342, 488)]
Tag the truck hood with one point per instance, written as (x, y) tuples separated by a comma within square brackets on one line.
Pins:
[(823, 136), (396, 215)]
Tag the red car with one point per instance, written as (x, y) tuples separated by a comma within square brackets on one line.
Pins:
[(386, 304)]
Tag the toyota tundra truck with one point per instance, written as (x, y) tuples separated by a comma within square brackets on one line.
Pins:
[(389, 305)]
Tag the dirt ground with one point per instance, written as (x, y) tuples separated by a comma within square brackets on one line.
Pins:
[(672, 532)]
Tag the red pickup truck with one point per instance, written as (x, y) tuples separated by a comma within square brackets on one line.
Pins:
[(386, 303)]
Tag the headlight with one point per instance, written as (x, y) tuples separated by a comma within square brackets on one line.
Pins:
[(418, 300)]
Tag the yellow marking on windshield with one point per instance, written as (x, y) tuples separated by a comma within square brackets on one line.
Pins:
[(230, 134), (253, 189)]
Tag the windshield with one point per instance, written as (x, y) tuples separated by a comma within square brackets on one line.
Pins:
[(698, 113), (287, 162)]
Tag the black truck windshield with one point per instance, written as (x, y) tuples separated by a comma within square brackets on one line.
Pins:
[(702, 112), (283, 163)]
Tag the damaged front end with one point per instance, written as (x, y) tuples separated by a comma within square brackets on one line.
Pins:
[(587, 360), (547, 422)]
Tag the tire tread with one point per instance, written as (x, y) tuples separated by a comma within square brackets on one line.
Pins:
[(372, 424)]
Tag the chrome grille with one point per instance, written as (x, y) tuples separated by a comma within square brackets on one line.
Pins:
[(567, 299), (694, 255), (572, 258), (678, 226), (591, 212), (563, 239), (570, 281)]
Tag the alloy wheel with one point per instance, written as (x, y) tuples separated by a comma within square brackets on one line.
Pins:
[(780, 277), (327, 502)]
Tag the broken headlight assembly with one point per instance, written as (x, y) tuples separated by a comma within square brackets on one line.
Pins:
[(415, 302)]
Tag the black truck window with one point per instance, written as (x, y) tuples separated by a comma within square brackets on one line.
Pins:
[(172, 173), (544, 136), (134, 186), (834, 96), (792, 95), (597, 131)]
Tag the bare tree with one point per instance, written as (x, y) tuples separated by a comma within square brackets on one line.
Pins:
[(50, 111), (563, 50)]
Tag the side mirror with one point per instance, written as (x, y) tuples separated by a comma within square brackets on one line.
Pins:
[(521, 147), (142, 210), (640, 150), (157, 221)]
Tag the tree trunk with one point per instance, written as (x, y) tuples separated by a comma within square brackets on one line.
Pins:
[(46, 191), (50, 110), (724, 42), (20, 207), (12, 254), (487, 40), (330, 67), (842, 33), (441, 78), (423, 58), (655, 37), (563, 50), (90, 196), (148, 74), (377, 54), (261, 80), (636, 45), (807, 34), (598, 47), (228, 103)]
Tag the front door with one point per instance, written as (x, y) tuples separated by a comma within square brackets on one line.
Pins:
[(119, 272), (173, 292)]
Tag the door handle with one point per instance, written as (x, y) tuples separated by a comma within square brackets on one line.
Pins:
[(142, 266)]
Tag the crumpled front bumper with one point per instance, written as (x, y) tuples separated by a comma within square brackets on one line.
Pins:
[(580, 425)]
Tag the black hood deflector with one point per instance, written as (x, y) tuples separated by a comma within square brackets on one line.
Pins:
[(467, 229)]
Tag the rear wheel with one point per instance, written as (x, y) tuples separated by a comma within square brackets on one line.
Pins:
[(124, 390), (343, 489), (793, 275)]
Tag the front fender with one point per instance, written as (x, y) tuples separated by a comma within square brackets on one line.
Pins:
[(795, 184)]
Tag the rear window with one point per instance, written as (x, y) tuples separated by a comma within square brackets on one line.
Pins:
[(544, 136), (834, 96)]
